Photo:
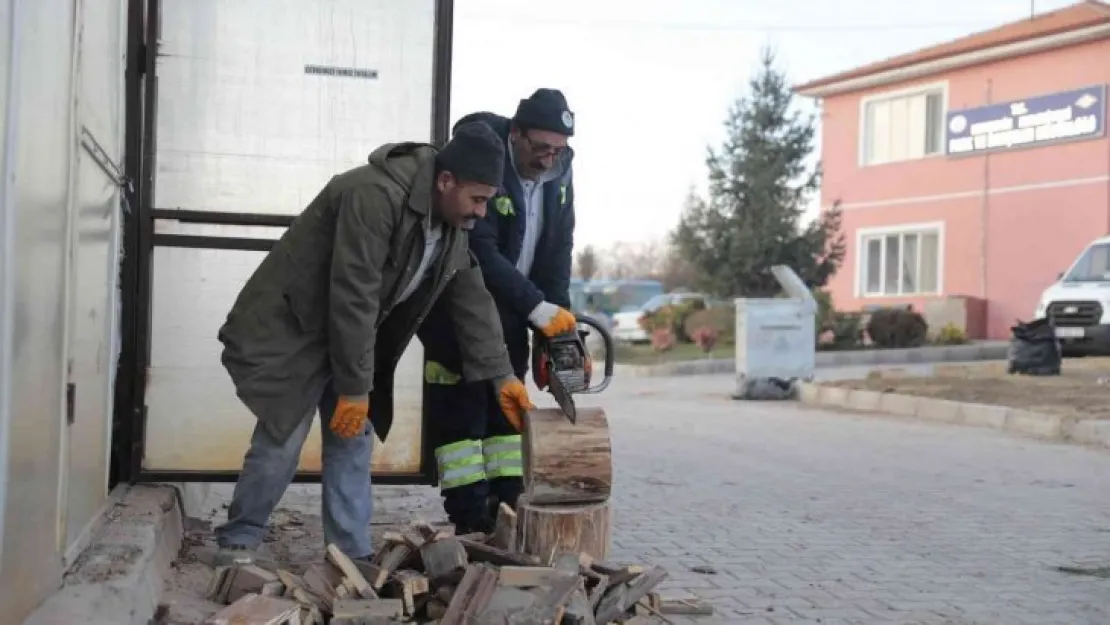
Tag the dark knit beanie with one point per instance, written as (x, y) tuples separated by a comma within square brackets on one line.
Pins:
[(474, 154), (546, 109)]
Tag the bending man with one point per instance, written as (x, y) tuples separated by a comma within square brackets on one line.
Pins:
[(323, 321)]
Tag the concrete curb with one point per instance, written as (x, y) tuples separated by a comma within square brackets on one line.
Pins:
[(1026, 423), (986, 350), (119, 578)]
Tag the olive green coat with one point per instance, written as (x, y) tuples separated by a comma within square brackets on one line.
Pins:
[(323, 303)]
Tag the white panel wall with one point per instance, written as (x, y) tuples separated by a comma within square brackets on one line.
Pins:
[(96, 232), (243, 128), (59, 224), (38, 146)]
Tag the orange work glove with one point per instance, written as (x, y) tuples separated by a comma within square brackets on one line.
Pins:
[(513, 398), (351, 415), (552, 320)]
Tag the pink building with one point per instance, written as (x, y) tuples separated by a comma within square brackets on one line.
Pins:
[(973, 172)]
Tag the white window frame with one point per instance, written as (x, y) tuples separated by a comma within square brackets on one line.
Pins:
[(863, 234), (920, 89)]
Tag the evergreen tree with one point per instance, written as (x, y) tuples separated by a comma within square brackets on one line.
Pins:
[(759, 183)]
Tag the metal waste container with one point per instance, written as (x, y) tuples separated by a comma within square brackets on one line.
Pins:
[(775, 340)]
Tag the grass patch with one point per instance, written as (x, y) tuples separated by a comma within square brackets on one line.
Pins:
[(643, 354), (1080, 391)]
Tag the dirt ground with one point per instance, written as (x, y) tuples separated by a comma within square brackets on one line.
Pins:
[(294, 541), (1082, 389)]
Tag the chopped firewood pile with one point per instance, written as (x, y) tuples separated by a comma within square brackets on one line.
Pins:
[(422, 575)]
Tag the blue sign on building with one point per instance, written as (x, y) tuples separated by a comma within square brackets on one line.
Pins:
[(1067, 116)]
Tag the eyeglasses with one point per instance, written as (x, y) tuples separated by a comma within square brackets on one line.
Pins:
[(543, 149)]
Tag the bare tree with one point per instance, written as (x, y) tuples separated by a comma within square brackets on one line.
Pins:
[(586, 263), (645, 260), (678, 272)]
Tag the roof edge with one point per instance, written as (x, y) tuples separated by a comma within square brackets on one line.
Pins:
[(957, 61)]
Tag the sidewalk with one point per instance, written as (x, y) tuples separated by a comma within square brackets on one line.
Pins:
[(977, 350), (773, 512)]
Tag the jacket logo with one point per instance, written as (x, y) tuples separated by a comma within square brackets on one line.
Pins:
[(563, 194), (504, 205)]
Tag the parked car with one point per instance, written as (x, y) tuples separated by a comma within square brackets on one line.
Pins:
[(626, 323), (585, 302), (577, 295), (1077, 302), (613, 296)]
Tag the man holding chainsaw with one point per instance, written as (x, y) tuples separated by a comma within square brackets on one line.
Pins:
[(523, 246), (321, 324)]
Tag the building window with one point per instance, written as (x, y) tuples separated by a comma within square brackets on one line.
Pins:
[(900, 261), (902, 127)]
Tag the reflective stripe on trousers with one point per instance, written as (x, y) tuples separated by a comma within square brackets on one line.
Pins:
[(504, 456), (460, 463)]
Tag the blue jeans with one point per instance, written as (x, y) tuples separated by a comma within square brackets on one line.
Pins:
[(268, 470)]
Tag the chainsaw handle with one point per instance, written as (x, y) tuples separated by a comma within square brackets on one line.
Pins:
[(610, 352)]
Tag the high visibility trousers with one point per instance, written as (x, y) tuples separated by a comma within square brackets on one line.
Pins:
[(478, 453), (503, 456), (470, 471), (504, 470), (466, 462), (468, 428), (457, 415), (460, 464)]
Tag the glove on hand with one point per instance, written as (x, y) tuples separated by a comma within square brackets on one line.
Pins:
[(513, 399), (552, 320), (351, 415)]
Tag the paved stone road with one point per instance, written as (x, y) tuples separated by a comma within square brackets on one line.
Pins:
[(818, 517), (813, 516)]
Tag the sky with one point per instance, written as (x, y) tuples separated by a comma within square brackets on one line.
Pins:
[(650, 81)]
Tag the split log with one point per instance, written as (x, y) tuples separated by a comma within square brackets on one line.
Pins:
[(367, 611), (256, 609), (549, 530), (350, 571), (504, 531), (481, 552), (620, 599), (474, 591), (567, 462), (442, 558)]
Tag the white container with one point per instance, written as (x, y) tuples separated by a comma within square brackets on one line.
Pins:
[(775, 339)]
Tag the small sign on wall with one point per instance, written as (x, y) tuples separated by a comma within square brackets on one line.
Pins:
[(1066, 116), (342, 72)]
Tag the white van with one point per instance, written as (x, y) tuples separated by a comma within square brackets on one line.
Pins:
[(1079, 302)]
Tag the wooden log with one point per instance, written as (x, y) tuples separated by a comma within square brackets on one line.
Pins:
[(504, 531), (619, 599), (549, 530), (567, 462), (480, 552), (443, 557), (256, 609), (476, 588)]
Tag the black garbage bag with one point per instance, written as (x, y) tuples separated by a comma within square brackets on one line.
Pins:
[(1034, 348), (767, 389)]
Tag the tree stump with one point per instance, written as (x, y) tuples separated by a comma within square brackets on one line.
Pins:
[(564, 462), (548, 530), (568, 475)]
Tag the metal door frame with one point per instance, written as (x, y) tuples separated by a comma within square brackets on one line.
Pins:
[(139, 239)]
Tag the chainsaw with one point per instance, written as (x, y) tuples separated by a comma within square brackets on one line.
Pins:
[(562, 366)]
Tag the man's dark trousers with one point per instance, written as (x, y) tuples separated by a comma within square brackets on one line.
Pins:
[(478, 452)]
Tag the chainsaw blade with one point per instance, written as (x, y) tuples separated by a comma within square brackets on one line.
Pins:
[(559, 392)]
